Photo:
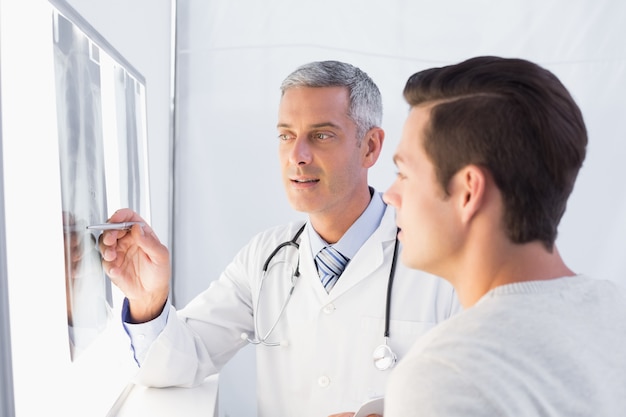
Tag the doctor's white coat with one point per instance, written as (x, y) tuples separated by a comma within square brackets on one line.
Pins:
[(326, 366)]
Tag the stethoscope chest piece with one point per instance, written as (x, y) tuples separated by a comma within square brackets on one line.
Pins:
[(384, 358)]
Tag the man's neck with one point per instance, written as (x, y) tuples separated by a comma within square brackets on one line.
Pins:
[(508, 264), (331, 225)]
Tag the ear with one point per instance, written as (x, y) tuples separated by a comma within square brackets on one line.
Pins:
[(472, 184), (372, 145)]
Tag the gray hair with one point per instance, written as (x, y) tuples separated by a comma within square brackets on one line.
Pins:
[(366, 107)]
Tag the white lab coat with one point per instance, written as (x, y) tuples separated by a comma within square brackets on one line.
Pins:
[(327, 365)]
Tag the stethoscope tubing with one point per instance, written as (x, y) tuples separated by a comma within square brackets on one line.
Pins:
[(384, 358), (263, 340), (392, 274)]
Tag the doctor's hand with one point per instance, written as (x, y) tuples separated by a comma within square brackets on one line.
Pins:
[(138, 264)]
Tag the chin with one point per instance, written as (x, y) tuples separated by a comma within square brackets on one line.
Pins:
[(304, 202), (406, 258), (299, 204), (410, 261)]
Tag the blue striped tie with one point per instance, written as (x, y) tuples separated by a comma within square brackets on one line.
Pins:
[(330, 264)]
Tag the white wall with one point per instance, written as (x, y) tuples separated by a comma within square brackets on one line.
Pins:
[(45, 380), (233, 55)]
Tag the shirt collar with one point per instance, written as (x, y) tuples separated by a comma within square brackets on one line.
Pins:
[(358, 233)]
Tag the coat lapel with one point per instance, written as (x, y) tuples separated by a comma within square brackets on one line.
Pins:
[(367, 260)]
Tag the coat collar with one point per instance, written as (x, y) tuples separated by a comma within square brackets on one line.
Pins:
[(368, 260)]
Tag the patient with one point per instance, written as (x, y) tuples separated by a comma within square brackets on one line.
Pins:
[(488, 158)]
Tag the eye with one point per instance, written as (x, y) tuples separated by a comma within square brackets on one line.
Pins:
[(400, 175), (321, 136), (283, 137)]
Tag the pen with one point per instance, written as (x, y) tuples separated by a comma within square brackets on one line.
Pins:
[(114, 226)]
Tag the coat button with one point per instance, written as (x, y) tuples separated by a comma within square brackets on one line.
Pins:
[(329, 308), (323, 381)]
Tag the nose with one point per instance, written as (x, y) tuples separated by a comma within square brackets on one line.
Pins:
[(390, 196), (300, 152)]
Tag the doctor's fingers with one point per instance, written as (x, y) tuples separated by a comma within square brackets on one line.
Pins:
[(125, 216), (113, 241), (139, 267), (147, 240)]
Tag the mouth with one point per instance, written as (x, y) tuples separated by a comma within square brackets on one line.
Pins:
[(304, 180)]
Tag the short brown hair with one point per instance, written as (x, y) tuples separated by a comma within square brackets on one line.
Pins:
[(514, 118)]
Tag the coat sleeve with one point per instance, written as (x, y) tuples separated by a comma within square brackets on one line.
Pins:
[(198, 340)]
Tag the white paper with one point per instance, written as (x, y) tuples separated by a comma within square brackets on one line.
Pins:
[(373, 406)]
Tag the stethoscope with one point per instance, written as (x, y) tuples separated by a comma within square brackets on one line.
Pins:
[(384, 358)]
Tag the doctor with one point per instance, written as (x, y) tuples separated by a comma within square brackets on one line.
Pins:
[(325, 343)]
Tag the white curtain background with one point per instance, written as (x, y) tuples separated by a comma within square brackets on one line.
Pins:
[(232, 56)]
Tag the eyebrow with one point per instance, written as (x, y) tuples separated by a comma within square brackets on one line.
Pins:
[(313, 126), (397, 158)]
